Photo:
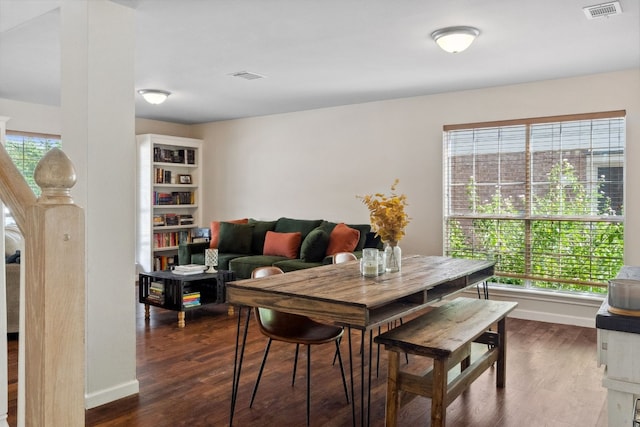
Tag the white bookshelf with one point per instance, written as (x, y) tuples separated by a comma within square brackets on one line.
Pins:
[(168, 197)]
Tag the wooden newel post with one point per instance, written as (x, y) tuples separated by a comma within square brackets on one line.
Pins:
[(55, 299)]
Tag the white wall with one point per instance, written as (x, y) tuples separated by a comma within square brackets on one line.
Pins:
[(312, 164)]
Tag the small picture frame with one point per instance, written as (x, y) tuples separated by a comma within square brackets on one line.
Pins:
[(184, 179)]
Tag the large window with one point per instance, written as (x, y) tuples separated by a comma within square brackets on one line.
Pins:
[(542, 197), (26, 150)]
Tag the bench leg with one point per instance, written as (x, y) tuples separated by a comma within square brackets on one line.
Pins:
[(501, 374), (393, 394), (439, 393)]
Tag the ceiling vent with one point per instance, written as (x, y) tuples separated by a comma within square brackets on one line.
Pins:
[(604, 9), (246, 75)]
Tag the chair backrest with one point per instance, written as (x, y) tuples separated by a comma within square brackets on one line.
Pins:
[(265, 271), (273, 323), (341, 257)]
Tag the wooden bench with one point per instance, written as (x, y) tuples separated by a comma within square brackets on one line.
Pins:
[(445, 334)]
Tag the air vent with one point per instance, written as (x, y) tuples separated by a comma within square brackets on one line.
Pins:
[(246, 75), (604, 9)]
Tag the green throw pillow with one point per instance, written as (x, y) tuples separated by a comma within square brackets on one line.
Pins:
[(260, 229), (291, 225), (314, 246), (235, 238)]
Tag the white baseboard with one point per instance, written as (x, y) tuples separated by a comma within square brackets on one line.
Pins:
[(111, 394), (548, 306)]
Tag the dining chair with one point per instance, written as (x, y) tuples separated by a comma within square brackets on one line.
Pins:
[(341, 257), (295, 329)]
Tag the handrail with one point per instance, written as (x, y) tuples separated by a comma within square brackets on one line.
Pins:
[(14, 190), (54, 287)]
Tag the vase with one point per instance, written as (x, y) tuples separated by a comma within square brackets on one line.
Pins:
[(393, 257)]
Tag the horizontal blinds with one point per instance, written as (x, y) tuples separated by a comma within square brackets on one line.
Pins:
[(544, 199)]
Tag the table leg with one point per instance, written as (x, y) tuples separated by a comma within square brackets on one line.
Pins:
[(147, 314), (353, 396), (181, 319), (393, 394), (439, 393), (237, 361), (502, 353)]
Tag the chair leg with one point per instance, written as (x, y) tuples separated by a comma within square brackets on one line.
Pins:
[(308, 381), (344, 379), (295, 366), (264, 359)]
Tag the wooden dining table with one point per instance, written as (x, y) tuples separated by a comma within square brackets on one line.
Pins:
[(338, 293)]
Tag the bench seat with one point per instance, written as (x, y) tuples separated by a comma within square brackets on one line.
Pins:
[(445, 334)]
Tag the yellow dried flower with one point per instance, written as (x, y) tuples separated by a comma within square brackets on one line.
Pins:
[(387, 215)]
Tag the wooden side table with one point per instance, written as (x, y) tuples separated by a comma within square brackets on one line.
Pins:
[(181, 293)]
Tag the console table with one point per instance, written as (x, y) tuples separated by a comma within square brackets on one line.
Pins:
[(339, 293), (171, 291)]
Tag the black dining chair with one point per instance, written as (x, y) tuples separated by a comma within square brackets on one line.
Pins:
[(295, 329)]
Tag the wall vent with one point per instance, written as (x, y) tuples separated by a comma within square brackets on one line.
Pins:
[(246, 75), (604, 9)]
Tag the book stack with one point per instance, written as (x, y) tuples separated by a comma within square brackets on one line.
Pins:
[(168, 155), (191, 299), (156, 292), (162, 176), (164, 262), (162, 198), (189, 269)]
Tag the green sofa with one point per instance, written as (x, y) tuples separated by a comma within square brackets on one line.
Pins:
[(241, 247)]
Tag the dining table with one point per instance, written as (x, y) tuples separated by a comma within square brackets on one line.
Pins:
[(340, 294)]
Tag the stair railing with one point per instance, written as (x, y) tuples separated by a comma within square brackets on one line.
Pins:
[(54, 234)]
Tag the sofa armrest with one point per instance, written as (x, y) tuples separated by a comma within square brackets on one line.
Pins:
[(187, 250)]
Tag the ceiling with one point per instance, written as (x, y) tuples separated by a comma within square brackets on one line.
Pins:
[(322, 53)]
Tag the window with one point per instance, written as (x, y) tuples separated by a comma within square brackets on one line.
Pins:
[(542, 197), (26, 150)]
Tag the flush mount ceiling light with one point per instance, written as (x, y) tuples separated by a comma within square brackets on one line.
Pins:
[(154, 96), (455, 39)]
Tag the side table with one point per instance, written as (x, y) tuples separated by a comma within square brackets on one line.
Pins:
[(181, 293)]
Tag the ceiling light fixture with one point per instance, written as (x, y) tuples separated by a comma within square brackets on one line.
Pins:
[(455, 39), (154, 96)]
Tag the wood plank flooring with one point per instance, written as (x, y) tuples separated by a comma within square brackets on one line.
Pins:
[(185, 380)]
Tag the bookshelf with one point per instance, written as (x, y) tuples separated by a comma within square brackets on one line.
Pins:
[(169, 197)]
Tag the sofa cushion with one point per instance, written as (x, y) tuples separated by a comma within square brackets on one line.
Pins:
[(282, 244), (235, 238), (295, 264), (314, 246), (244, 265), (224, 260), (260, 229), (289, 225), (343, 239), (373, 241), (363, 229), (215, 230)]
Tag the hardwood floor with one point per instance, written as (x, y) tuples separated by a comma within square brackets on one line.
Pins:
[(185, 380)]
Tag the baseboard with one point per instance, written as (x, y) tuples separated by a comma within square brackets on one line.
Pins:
[(111, 394), (552, 307)]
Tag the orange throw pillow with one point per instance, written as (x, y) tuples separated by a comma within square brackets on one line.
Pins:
[(215, 230), (282, 244), (343, 239)]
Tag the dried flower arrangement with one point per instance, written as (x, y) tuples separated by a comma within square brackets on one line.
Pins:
[(387, 214)]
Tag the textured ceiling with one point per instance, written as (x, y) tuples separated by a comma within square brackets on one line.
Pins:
[(321, 53)]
